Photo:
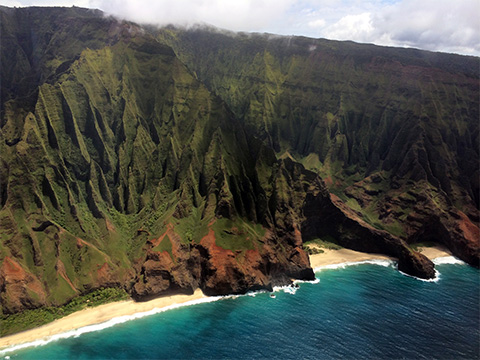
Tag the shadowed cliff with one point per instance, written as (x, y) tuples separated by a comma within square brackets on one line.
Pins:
[(393, 132)]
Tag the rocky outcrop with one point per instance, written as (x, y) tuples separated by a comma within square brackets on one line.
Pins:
[(456, 231), (218, 271), (415, 264), (19, 286), (326, 215)]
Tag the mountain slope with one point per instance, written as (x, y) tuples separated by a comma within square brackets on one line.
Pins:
[(394, 132), (124, 166), (122, 146)]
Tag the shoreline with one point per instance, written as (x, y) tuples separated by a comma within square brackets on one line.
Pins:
[(130, 309), (341, 256), (98, 315)]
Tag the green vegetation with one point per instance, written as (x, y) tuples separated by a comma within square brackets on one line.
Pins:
[(28, 319), (237, 235), (192, 228), (347, 111), (165, 245), (417, 246), (312, 250), (327, 242)]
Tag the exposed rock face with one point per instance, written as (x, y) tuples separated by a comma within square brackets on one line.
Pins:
[(218, 271), (20, 285), (456, 231), (326, 215), (415, 264)]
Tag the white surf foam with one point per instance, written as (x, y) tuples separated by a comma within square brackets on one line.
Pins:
[(106, 324), (434, 280), (316, 281), (288, 289), (448, 260), (385, 263), (250, 293)]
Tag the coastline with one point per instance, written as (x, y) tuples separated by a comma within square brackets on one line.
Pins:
[(97, 315), (335, 257), (130, 308), (341, 256)]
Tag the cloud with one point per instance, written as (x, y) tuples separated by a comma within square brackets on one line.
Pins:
[(23, 3), (352, 27), (319, 23), (238, 15), (439, 25)]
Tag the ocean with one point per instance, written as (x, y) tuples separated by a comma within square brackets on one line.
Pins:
[(352, 311)]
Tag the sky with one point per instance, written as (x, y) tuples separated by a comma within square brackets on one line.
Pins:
[(438, 25)]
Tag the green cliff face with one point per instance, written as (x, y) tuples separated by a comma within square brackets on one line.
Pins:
[(120, 168), (161, 161), (393, 132)]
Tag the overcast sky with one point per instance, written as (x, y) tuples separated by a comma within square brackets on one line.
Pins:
[(438, 25)]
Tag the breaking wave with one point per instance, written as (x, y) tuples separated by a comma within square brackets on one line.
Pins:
[(435, 279), (448, 260), (385, 263)]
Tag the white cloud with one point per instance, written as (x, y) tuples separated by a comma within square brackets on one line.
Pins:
[(432, 24), (440, 25), (11, 3), (352, 27), (239, 15), (319, 23), (22, 3)]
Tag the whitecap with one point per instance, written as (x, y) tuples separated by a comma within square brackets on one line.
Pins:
[(288, 289), (251, 293), (448, 260), (380, 262), (316, 281), (434, 280)]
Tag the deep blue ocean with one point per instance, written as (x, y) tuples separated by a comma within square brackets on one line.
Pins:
[(361, 311)]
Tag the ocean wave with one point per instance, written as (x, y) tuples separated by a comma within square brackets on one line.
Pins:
[(249, 293), (392, 264), (106, 324), (316, 281), (380, 262), (448, 260), (288, 289), (434, 280)]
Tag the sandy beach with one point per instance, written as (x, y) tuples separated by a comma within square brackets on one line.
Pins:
[(331, 257), (435, 252), (103, 313), (96, 315)]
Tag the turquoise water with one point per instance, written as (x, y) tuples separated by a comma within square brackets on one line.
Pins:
[(362, 311)]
